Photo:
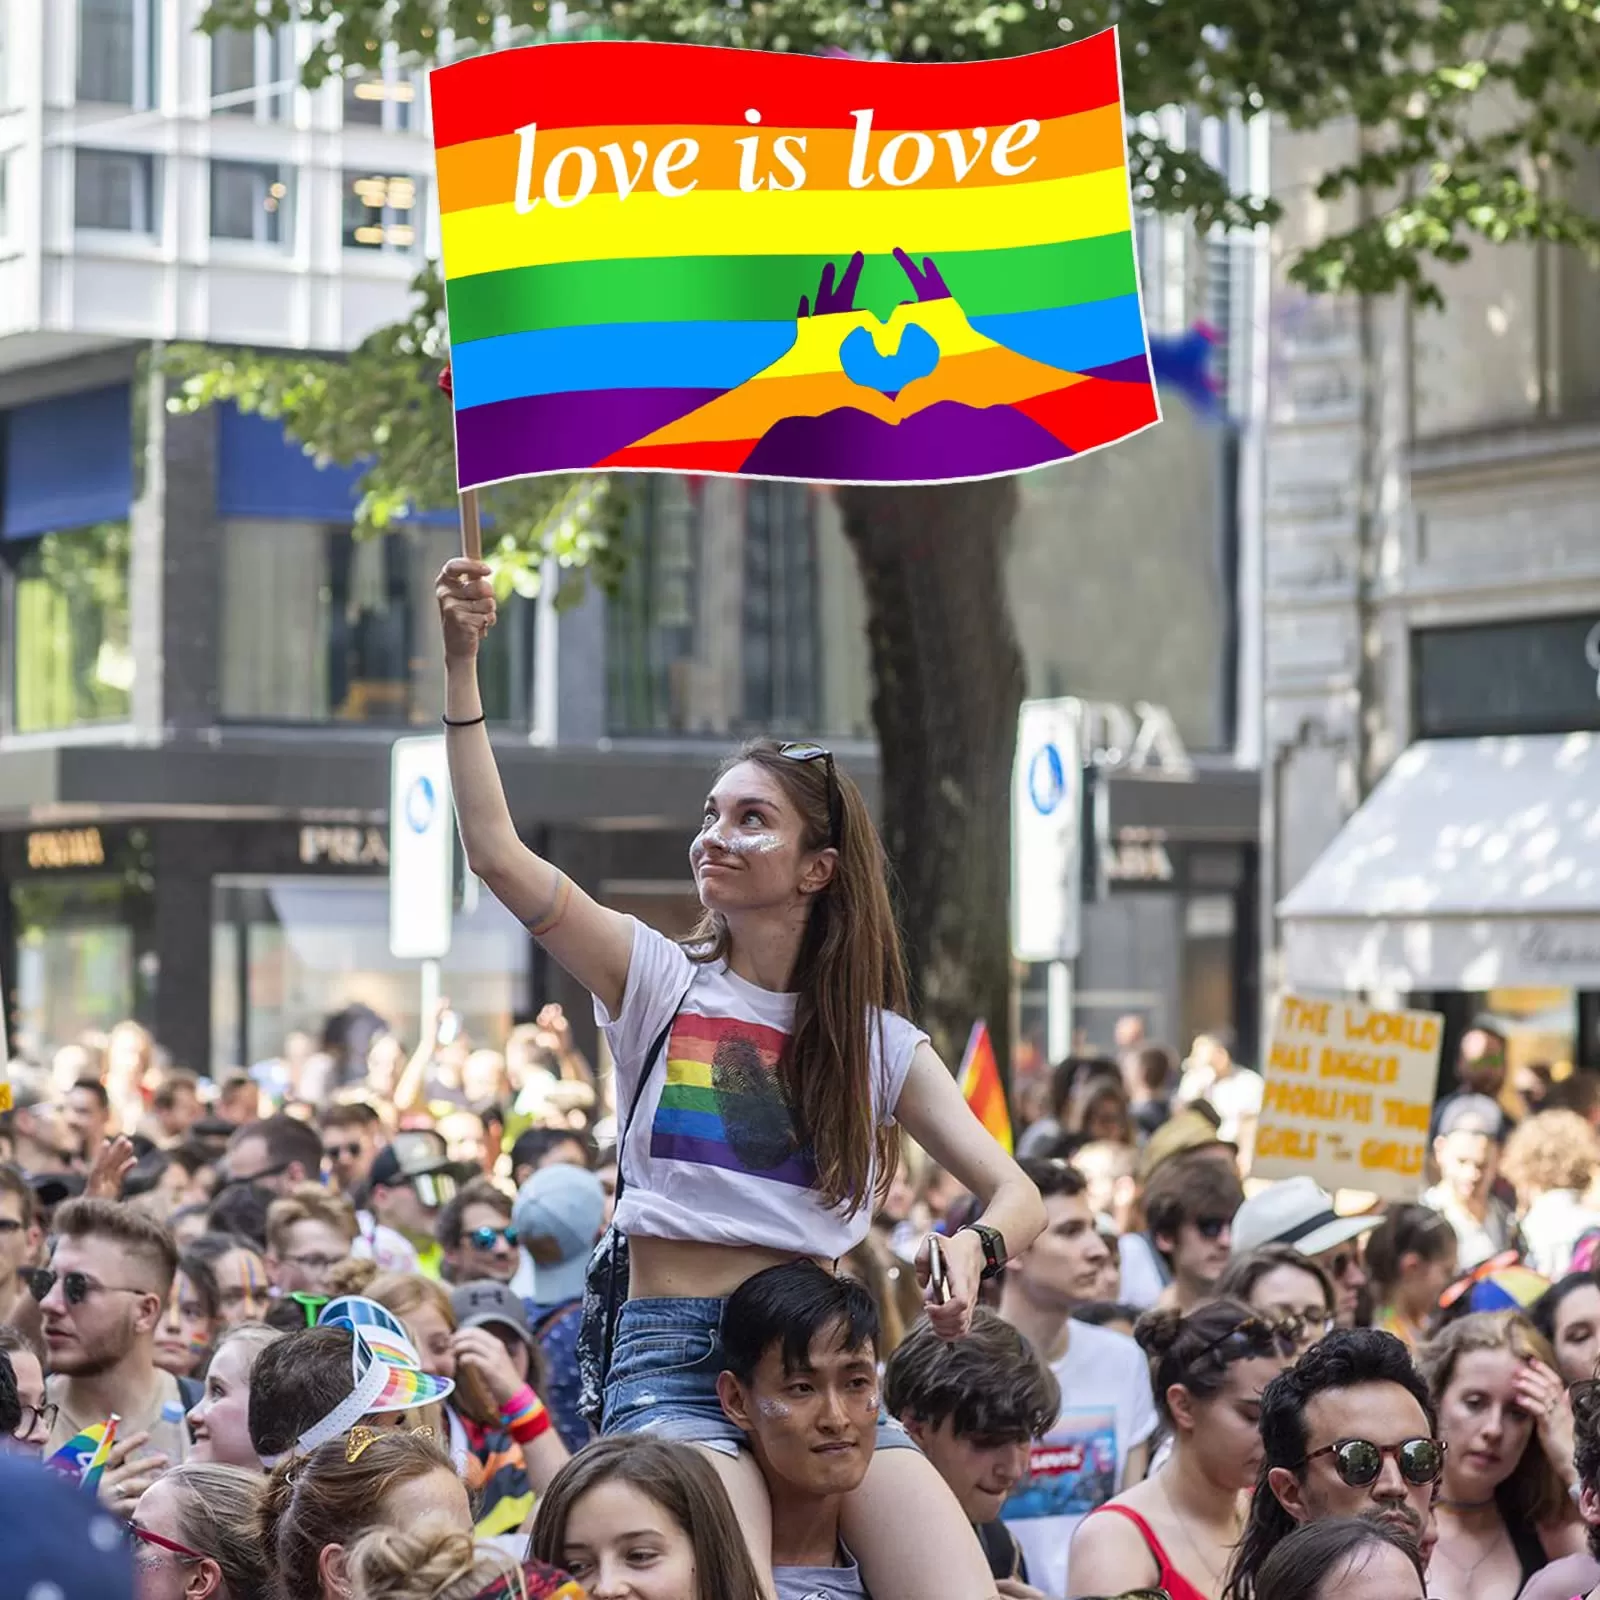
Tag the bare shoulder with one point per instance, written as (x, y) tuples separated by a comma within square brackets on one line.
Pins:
[(1108, 1543), (1561, 1580)]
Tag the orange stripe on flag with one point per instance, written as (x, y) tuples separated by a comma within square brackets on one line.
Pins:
[(981, 1086)]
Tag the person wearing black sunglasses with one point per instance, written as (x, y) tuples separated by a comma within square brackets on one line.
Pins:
[(761, 1067), (100, 1304), (1348, 1430), (1189, 1207)]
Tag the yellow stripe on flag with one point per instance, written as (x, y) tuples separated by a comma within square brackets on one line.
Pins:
[(717, 222), (981, 1086)]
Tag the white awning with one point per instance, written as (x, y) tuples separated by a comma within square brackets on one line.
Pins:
[(1474, 864)]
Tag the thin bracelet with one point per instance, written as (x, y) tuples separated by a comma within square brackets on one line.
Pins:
[(465, 722)]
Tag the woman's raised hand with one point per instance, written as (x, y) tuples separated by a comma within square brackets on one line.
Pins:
[(466, 606)]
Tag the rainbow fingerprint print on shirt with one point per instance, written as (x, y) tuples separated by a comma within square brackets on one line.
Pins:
[(669, 257), (723, 1104)]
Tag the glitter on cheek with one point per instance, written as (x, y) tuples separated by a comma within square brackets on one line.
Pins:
[(753, 844), (773, 1410)]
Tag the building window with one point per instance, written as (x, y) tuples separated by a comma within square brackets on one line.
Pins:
[(250, 200), (381, 213), (72, 660), (318, 626), (1541, 675), (715, 628), (117, 51), (780, 606), (380, 100), (242, 61), (115, 190)]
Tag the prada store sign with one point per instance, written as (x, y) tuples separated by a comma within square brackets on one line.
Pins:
[(54, 848)]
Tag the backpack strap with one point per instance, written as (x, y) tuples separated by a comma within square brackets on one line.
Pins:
[(657, 1050)]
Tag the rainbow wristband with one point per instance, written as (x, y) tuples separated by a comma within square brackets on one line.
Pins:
[(525, 1415)]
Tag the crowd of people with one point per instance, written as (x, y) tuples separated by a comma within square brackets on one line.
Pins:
[(764, 1313)]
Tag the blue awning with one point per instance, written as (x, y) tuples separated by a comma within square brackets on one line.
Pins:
[(68, 462), (261, 472)]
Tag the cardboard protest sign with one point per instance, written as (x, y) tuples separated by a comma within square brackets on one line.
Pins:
[(666, 256), (1347, 1097)]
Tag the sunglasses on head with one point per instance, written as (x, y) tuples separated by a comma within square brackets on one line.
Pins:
[(1253, 1335), (76, 1287), (1359, 1461), (484, 1238), (816, 752)]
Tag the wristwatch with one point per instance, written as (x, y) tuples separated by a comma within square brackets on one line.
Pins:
[(994, 1247)]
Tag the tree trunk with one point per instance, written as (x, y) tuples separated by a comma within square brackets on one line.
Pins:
[(947, 684)]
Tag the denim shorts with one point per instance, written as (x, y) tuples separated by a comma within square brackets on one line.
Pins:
[(663, 1378)]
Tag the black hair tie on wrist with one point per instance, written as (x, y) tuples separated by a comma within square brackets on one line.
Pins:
[(465, 722)]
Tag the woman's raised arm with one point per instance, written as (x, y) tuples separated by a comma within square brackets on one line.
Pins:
[(591, 942)]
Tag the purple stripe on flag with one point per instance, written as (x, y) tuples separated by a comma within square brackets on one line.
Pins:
[(796, 1172), (1132, 369), (562, 432)]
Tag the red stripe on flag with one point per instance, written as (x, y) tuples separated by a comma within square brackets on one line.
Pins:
[(981, 1086), (703, 455), (598, 82), (1093, 412)]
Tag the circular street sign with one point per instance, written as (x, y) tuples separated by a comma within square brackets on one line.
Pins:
[(1047, 780), (422, 804)]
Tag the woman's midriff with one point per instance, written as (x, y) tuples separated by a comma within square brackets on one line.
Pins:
[(682, 1269)]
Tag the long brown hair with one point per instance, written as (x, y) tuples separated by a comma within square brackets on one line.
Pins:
[(1534, 1492), (681, 1481), (850, 968)]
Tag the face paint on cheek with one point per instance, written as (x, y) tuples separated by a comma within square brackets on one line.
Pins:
[(753, 844), (773, 1410)]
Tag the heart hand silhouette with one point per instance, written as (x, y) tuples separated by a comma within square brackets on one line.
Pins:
[(916, 357)]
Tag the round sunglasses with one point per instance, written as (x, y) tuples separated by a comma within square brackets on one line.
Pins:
[(1359, 1461), (76, 1287)]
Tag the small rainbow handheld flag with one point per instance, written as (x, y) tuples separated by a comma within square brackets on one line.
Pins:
[(981, 1086), (670, 257), (84, 1456)]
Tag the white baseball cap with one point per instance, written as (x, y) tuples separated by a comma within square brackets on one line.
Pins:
[(1297, 1212)]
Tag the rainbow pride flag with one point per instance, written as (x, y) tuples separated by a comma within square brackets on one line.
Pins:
[(665, 256), (981, 1087), (84, 1456)]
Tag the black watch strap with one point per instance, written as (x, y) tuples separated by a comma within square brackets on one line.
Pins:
[(994, 1247)]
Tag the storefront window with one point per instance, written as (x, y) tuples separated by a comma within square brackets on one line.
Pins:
[(288, 953), (75, 960), (72, 660), (320, 626)]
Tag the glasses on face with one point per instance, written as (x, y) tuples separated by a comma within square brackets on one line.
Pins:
[(816, 752), (143, 1536), (1359, 1461), (344, 1152), (486, 1238), (76, 1287), (433, 1189), (1340, 1262), (34, 1417), (1306, 1327), (1212, 1228), (316, 1263)]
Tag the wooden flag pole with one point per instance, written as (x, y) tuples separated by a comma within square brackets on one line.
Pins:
[(471, 530)]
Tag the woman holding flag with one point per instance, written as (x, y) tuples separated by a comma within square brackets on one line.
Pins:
[(761, 1067)]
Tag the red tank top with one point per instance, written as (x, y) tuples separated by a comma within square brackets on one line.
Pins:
[(1173, 1581)]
